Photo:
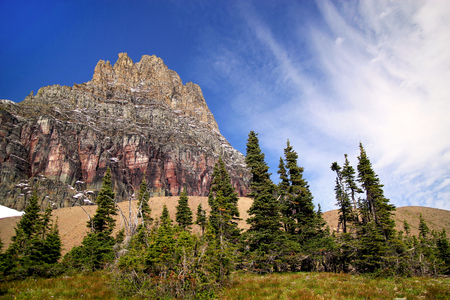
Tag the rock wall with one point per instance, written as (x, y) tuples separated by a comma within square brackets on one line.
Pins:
[(136, 118)]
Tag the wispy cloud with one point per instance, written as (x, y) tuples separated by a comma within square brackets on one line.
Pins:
[(369, 71)]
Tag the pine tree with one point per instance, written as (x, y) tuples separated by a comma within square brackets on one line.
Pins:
[(283, 199), (376, 229), (351, 188), (223, 201), (162, 249), (36, 246), (165, 217), (103, 220), (443, 249), (423, 228), (52, 246), (201, 218), (375, 207), (183, 215), (406, 227), (96, 249), (343, 200), (264, 237), (304, 223), (30, 221)]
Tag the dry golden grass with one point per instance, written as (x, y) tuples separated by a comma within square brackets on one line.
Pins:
[(72, 221), (435, 218)]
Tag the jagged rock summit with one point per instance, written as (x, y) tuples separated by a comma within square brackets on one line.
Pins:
[(136, 118)]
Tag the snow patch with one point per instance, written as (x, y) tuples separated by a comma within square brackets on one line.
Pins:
[(6, 212), (78, 195)]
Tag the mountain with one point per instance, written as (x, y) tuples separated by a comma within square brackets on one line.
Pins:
[(136, 118)]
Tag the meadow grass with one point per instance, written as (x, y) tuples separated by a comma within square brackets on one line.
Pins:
[(333, 286), (246, 286), (78, 286)]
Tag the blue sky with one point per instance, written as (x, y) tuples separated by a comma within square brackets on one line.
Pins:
[(324, 74)]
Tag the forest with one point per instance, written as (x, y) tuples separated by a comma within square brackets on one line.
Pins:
[(163, 258)]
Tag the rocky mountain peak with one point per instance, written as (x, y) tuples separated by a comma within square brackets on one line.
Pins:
[(150, 78), (136, 118)]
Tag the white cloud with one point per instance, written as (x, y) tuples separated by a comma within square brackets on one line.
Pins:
[(369, 71), (339, 40)]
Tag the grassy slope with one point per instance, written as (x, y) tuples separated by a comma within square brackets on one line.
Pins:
[(72, 221), (435, 218)]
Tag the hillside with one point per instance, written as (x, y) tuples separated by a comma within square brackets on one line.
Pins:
[(435, 218), (72, 220)]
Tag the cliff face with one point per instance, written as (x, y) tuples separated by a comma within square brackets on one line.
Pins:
[(137, 118)]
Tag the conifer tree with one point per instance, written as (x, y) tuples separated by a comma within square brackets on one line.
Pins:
[(374, 207), (343, 200), (96, 249), (161, 251), (406, 227), (351, 188), (303, 219), (264, 235), (103, 220), (165, 217), (283, 200), (443, 249), (36, 246), (223, 201), (376, 228), (183, 214), (423, 228), (30, 221), (201, 218)]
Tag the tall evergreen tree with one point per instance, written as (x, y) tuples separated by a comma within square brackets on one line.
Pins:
[(406, 227), (343, 200), (283, 199), (375, 206), (201, 218), (375, 230), (223, 201), (103, 220), (351, 188), (443, 249), (304, 222), (96, 249), (264, 236), (183, 215), (423, 228), (36, 246)]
